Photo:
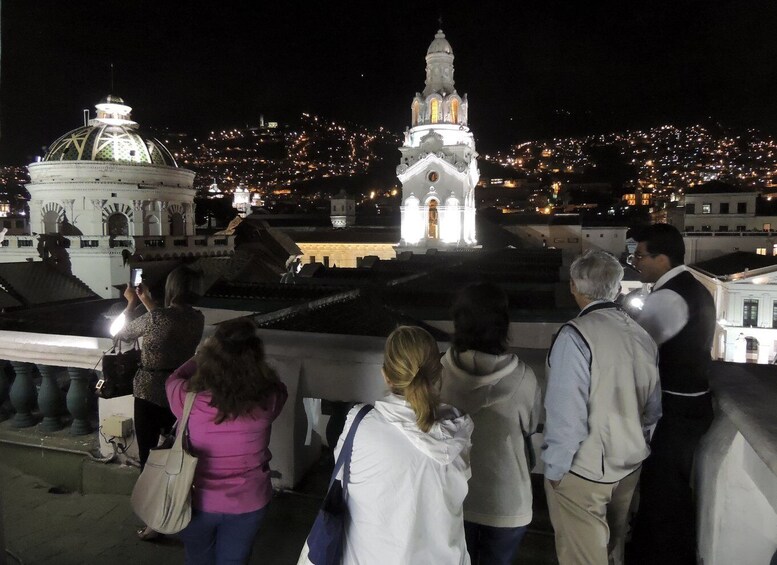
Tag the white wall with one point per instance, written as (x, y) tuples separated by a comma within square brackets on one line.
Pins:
[(737, 495)]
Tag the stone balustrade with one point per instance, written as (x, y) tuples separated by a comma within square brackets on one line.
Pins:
[(149, 243), (176, 242), (54, 358)]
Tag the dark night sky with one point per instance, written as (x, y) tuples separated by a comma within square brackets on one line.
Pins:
[(195, 66)]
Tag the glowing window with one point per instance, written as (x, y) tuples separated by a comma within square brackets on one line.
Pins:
[(433, 176), (455, 111), (415, 113), (435, 111)]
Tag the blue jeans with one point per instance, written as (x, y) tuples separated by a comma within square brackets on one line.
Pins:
[(212, 538), (488, 545)]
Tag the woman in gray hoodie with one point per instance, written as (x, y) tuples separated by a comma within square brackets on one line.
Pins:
[(501, 394)]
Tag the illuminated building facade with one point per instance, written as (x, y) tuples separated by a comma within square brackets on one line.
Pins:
[(438, 168), (342, 210), (104, 193), (241, 200)]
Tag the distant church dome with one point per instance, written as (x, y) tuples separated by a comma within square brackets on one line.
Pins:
[(439, 44), (111, 136)]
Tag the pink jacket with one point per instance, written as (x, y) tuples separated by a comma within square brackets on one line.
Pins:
[(233, 472)]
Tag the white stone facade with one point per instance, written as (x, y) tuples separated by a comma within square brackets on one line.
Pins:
[(107, 189), (343, 255), (342, 211), (438, 169), (111, 199)]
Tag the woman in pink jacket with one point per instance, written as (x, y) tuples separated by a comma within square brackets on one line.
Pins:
[(238, 398)]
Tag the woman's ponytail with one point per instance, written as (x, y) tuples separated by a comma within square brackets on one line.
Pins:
[(412, 369)]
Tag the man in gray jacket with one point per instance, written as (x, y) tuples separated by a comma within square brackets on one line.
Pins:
[(602, 402)]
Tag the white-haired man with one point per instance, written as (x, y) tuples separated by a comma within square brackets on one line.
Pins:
[(603, 399)]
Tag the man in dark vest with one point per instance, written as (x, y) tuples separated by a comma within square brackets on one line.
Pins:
[(680, 316)]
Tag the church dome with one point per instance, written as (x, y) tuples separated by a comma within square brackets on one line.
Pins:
[(439, 44), (109, 143), (111, 136)]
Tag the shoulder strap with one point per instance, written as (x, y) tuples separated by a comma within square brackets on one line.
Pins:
[(175, 458), (183, 423), (344, 459)]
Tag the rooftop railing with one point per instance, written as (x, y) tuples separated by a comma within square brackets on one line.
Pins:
[(736, 466)]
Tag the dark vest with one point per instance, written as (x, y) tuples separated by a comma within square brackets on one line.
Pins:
[(684, 360)]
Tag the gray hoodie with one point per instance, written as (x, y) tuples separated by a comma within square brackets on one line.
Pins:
[(501, 394)]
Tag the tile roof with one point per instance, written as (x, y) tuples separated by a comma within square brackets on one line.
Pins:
[(737, 262), (349, 314), (87, 318), (34, 283), (388, 236)]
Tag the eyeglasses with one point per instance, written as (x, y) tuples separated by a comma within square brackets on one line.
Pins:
[(638, 257)]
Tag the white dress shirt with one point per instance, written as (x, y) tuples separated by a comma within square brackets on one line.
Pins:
[(665, 312)]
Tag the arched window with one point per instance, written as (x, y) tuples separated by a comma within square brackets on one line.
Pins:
[(151, 225), (455, 111), (415, 112), (435, 111), (177, 225), (433, 229), (118, 225), (51, 221)]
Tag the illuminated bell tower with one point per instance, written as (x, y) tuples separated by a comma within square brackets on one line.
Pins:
[(438, 169)]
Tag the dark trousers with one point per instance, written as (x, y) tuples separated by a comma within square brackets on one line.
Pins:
[(665, 527), (488, 545), (222, 539), (151, 420)]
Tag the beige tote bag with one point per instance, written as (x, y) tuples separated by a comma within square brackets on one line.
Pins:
[(162, 497)]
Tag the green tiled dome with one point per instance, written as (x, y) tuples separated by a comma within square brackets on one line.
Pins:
[(102, 142)]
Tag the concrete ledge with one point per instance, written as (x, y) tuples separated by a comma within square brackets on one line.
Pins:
[(747, 393)]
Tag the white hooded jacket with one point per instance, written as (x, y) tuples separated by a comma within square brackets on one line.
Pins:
[(501, 394), (407, 487)]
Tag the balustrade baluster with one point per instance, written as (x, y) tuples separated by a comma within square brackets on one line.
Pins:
[(23, 394), (78, 400), (50, 399)]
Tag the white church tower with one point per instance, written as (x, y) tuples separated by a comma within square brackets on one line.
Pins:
[(439, 168)]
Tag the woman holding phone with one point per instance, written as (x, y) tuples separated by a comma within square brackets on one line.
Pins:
[(170, 335)]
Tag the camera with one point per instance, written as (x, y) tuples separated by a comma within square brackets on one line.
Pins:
[(136, 276)]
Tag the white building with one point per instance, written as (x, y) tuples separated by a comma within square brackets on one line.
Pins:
[(744, 287), (438, 168), (572, 239), (111, 193), (241, 200), (719, 207), (342, 210)]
